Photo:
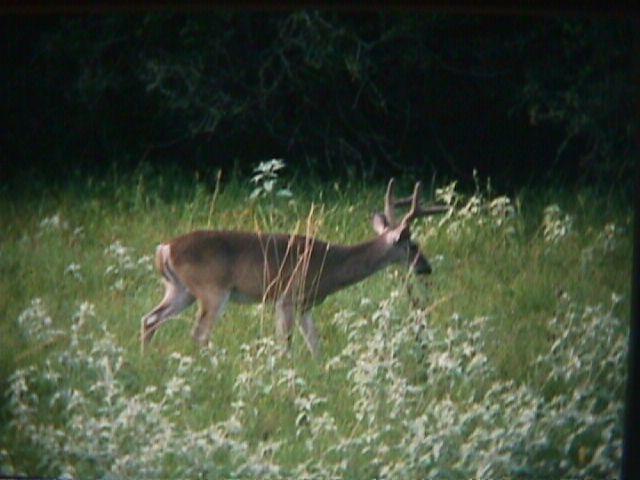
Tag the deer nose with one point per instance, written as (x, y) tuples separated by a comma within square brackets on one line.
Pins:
[(421, 266), (423, 269)]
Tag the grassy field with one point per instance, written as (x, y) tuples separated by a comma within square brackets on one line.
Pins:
[(508, 362)]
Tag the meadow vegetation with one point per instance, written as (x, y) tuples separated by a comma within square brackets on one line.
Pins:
[(508, 362)]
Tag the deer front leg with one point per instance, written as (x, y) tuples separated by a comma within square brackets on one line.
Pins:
[(285, 318), (212, 306)]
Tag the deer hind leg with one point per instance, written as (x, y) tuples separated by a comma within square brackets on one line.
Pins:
[(176, 299), (212, 306), (285, 319), (309, 333)]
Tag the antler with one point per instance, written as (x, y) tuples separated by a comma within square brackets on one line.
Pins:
[(391, 203), (415, 211)]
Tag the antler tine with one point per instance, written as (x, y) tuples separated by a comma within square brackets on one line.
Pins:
[(416, 210), (415, 205), (406, 201), (390, 203), (433, 210), (403, 202)]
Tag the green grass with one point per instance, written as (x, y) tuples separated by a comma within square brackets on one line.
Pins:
[(508, 361)]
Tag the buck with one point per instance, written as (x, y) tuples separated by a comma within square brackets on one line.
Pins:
[(293, 271)]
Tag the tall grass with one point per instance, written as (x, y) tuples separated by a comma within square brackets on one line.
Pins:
[(509, 362)]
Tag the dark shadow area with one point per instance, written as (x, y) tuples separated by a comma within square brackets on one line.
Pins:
[(523, 100)]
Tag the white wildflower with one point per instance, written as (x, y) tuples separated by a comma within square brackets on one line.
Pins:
[(73, 269), (556, 225)]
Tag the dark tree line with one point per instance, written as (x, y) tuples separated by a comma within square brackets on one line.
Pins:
[(520, 99)]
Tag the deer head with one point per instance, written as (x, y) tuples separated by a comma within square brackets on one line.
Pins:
[(398, 234)]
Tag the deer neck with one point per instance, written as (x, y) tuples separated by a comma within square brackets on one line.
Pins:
[(353, 263)]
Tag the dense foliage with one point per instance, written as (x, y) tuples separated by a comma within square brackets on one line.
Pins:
[(520, 99)]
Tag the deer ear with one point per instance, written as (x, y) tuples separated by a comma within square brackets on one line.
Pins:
[(380, 223)]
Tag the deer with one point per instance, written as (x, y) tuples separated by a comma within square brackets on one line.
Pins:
[(294, 272)]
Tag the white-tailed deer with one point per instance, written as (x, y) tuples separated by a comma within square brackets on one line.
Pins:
[(295, 272)]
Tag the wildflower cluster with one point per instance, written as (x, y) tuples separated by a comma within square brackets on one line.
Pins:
[(556, 225), (35, 322), (106, 430), (478, 209), (125, 269), (56, 223), (418, 400), (53, 222)]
